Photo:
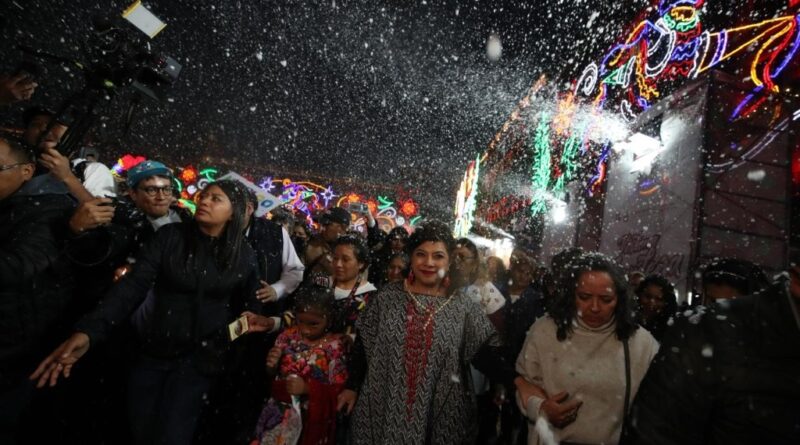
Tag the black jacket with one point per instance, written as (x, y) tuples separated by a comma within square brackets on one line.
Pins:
[(519, 316), (35, 284), (266, 239), (728, 376), (191, 303), (98, 252)]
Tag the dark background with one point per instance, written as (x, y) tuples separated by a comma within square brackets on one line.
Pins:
[(397, 92)]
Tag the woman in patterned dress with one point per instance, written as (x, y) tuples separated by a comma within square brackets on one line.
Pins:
[(409, 372)]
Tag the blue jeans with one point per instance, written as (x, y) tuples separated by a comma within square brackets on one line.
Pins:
[(165, 399)]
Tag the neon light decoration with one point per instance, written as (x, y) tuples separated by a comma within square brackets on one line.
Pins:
[(388, 213), (466, 202), (674, 46), (540, 170), (564, 142), (126, 163)]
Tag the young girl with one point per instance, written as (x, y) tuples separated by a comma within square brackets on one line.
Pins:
[(311, 371)]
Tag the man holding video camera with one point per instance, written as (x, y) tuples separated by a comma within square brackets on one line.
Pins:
[(44, 135)]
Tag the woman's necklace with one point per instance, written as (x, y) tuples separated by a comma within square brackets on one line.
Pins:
[(423, 309)]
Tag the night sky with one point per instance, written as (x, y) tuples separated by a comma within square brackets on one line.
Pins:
[(398, 93)]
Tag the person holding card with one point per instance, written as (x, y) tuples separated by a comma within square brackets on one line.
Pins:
[(309, 363), (200, 276)]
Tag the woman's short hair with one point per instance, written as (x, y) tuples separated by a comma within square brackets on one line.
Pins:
[(431, 231), (563, 310)]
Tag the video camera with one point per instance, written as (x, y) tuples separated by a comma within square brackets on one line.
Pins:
[(114, 60)]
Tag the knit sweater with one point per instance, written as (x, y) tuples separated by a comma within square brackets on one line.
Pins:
[(590, 366)]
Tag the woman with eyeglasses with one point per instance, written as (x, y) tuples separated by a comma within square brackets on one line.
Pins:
[(192, 280)]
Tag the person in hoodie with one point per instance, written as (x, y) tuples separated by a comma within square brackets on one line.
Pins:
[(35, 286), (728, 373), (203, 277)]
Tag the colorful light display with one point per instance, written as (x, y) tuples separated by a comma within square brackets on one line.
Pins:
[(466, 202), (566, 143), (126, 163), (388, 214)]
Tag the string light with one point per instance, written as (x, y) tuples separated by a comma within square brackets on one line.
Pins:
[(540, 170)]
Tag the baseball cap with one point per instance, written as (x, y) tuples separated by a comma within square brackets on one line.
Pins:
[(335, 215), (146, 169)]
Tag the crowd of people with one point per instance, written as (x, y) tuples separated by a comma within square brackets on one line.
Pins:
[(127, 319)]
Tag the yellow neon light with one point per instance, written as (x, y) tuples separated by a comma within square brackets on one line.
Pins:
[(781, 21), (685, 13), (628, 41), (754, 66)]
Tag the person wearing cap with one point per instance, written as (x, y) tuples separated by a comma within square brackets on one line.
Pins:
[(44, 135), (728, 373), (112, 235), (318, 255), (106, 238)]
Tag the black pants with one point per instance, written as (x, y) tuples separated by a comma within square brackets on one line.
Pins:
[(14, 402), (165, 398)]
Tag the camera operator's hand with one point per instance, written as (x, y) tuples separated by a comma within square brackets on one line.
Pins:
[(91, 214), (57, 163), (16, 88)]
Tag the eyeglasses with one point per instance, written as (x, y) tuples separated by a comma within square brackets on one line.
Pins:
[(152, 191), (460, 258), (10, 166)]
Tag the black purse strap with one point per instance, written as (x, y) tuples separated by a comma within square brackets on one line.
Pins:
[(626, 348)]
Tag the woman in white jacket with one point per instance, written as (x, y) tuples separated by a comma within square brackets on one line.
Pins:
[(583, 363)]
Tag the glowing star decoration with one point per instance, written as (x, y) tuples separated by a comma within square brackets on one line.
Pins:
[(266, 184), (327, 195), (466, 202)]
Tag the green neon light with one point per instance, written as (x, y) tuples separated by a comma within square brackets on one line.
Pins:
[(568, 163), (178, 184), (682, 26), (189, 205), (414, 220), (208, 172), (540, 170), (384, 202)]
